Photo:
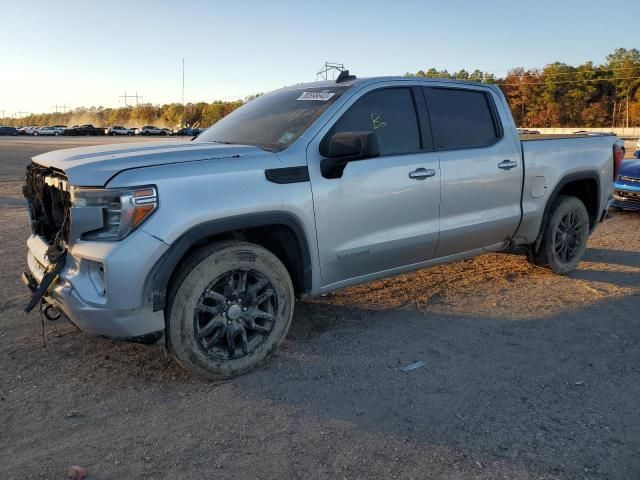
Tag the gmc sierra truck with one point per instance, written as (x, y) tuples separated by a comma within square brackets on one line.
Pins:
[(204, 246)]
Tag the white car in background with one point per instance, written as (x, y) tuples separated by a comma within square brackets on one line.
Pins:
[(118, 130), (27, 130), (55, 131), (150, 130)]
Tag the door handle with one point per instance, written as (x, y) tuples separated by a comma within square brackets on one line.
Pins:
[(422, 173), (507, 164)]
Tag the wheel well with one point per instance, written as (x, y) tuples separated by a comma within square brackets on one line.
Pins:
[(587, 191), (285, 240), (278, 239)]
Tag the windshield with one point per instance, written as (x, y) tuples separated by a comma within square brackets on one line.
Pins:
[(273, 121)]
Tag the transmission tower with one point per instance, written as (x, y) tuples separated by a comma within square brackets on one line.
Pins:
[(334, 68), (126, 97), (63, 108)]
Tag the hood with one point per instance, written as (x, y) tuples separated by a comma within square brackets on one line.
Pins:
[(95, 166), (630, 168)]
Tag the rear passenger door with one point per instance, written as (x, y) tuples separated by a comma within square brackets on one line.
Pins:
[(382, 213), (480, 165)]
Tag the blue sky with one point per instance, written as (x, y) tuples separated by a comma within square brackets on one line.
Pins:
[(83, 53)]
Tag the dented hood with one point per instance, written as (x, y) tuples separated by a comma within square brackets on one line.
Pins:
[(94, 166)]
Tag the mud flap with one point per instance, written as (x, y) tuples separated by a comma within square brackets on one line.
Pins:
[(47, 280)]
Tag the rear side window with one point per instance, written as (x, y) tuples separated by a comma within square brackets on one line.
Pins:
[(461, 118), (391, 114)]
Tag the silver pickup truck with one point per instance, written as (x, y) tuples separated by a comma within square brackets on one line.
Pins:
[(204, 246)]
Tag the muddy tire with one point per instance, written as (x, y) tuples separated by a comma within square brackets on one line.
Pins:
[(229, 307), (565, 236)]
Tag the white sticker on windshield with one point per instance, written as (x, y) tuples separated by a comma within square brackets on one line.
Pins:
[(319, 96)]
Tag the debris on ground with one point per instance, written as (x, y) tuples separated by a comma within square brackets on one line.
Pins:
[(413, 366), (76, 472)]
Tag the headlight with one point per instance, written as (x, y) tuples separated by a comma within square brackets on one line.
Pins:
[(123, 209)]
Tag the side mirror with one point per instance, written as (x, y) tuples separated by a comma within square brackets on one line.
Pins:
[(636, 154), (345, 147)]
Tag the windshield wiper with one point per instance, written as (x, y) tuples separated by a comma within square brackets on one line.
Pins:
[(221, 142)]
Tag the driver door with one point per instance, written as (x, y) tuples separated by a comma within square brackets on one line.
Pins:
[(382, 214)]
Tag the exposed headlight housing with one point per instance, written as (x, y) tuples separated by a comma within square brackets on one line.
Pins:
[(123, 209)]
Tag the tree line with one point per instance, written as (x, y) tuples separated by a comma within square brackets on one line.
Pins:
[(558, 95), (172, 115), (561, 95)]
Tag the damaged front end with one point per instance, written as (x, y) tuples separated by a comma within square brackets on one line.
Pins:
[(48, 198)]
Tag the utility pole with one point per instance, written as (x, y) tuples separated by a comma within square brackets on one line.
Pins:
[(329, 67), (62, 108), (183, 105), (2, 113)]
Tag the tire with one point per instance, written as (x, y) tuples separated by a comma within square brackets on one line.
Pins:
[(565, 236), (55, 134), (199, 337), (35, 134)]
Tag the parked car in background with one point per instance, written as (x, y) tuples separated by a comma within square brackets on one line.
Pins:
[(27, 130), (54, 131), (626, 189), (351, 181), (87, 129), (187, 132), (150, 130), (6, 130), (118, 130), (524, 131)]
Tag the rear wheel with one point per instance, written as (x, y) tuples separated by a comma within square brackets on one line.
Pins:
[(565, 236), (229, 308)]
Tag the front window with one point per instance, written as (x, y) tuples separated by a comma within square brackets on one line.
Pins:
[(390, 113), (274, 121)]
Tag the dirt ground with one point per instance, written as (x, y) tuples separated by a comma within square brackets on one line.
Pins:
[(528, 376)]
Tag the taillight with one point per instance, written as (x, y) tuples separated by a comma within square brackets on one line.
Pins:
[(618, 156)]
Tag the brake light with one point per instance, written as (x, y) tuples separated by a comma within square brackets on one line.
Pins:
[(618, 156)]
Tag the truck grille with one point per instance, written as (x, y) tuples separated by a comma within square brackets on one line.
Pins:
[(628, 179), (624, 197), (49, 202)]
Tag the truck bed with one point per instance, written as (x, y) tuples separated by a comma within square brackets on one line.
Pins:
[(550, 158)]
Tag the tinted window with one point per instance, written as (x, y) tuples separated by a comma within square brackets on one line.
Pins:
[(461, 118), (390, 113), (275, 120)]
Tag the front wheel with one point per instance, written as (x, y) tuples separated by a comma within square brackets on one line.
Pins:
[(565, 236), (229, 308)]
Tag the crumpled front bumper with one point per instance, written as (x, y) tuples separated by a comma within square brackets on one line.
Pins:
[(101, 286)]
